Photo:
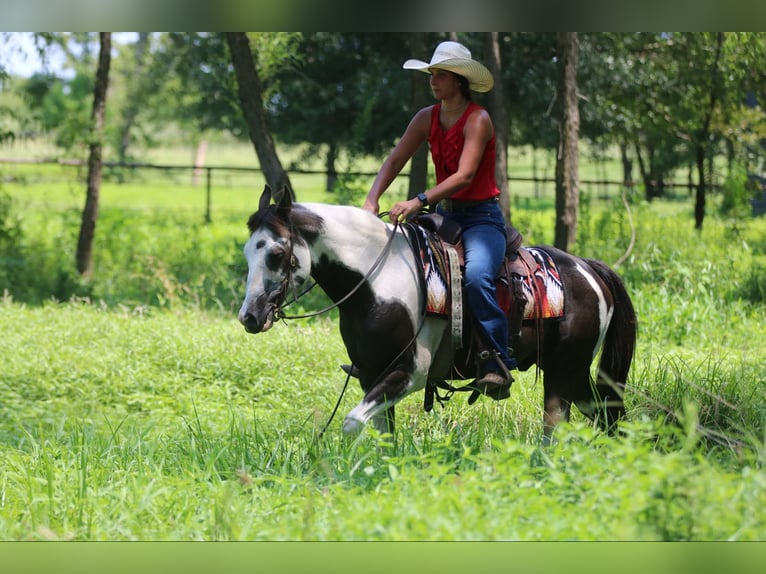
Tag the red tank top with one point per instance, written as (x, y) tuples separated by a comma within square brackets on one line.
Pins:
[(446, 147)]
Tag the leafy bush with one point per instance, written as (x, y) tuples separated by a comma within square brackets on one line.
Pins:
[(753, 288), (34, 266), (736, 194)]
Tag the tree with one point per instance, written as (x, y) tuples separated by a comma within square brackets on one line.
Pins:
[(420, 98), (497, 111), (703, 132), (90, 211), (251, 100), (193, 83), (673, 98), (137, 83), (346, 92), (567, 177)]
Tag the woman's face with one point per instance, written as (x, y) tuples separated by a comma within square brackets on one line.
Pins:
[(444, 84)]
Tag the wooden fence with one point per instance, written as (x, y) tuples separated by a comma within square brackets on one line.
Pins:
[(206, 175)]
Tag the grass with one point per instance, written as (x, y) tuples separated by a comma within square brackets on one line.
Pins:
[(134, 407), (160, 425)]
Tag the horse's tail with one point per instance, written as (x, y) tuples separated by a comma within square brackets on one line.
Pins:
[(620, 340)]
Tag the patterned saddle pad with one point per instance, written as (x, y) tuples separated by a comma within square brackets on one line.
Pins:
[(540, 283), (541, 287)]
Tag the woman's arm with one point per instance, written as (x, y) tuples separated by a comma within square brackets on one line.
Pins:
[(477, 132), (414, 136)]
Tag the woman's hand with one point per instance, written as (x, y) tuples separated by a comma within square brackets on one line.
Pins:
[(404, 209), (371, 205)]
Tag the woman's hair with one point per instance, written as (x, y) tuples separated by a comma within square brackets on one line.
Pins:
[(464, 89)]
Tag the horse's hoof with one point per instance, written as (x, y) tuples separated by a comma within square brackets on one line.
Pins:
[(352, 426)]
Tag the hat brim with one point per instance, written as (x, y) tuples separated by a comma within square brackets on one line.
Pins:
[(479, 77)]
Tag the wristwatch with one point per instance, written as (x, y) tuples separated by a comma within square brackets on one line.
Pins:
[(423, 199)]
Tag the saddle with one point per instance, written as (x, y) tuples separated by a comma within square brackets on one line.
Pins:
[(521, 286), (519, 262)]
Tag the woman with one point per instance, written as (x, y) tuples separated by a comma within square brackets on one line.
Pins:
[(462, 141)]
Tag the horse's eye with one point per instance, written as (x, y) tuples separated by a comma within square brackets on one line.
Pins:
[(260, 244), (275, 257)]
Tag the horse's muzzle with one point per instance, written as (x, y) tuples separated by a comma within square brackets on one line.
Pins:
[(253, 324)]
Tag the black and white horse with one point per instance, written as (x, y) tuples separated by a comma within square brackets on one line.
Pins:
[(369, 269)]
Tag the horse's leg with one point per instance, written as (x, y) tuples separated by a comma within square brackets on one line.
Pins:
[(605, 405), (378, 402), (556, 409), (384, 422), (561, 380)]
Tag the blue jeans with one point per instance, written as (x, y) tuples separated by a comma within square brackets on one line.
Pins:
[(484, 244)]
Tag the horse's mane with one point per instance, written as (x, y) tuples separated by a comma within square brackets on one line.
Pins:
[(300, 220)]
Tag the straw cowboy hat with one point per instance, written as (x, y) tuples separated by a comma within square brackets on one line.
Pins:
[(455, 57)]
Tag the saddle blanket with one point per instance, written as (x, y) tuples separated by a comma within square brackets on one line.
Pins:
[(541, 286), (435, 270)]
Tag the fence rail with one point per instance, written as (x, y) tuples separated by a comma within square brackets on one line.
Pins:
[(206, 173)]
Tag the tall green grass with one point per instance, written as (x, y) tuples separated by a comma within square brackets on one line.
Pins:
[(132, 424)]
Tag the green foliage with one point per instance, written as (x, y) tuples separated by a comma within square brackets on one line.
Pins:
[(753, 288), (62, 106), (735, 194), (142, 424), (36, 267), (346, 90), (349, 190)]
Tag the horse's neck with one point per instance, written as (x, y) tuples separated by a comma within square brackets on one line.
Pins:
[(350, 236)]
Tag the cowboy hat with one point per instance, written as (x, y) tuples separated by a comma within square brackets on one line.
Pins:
[(455, 57)]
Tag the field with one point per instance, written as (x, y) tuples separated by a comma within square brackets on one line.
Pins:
[(133, 406)]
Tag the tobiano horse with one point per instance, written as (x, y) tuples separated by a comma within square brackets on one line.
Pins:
[(371, 273)]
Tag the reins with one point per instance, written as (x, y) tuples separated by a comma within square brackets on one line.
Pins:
[(279, 313), (421, 323)]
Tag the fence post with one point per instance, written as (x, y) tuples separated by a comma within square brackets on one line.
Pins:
[(208, 173)]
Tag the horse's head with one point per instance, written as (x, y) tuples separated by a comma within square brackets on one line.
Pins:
[(277, 256)]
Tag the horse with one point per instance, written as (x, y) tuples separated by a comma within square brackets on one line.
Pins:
[(373, 277)]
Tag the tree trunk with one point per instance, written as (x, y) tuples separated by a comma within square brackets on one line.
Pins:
[(332, 174), (642, 169), (567, 175), (699, 201), (704, 134), (90, 211), (499, 119), (653, 185), (627, 166), (251, 100), (421, 97)]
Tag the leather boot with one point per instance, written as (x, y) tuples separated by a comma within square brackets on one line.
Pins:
[(496, 385)]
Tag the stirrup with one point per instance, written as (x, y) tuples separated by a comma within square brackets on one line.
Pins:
[(495, 385), (350, 370), (491, 384)]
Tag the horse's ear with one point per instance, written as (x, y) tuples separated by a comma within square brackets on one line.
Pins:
[(284, 199), (265, 198)]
